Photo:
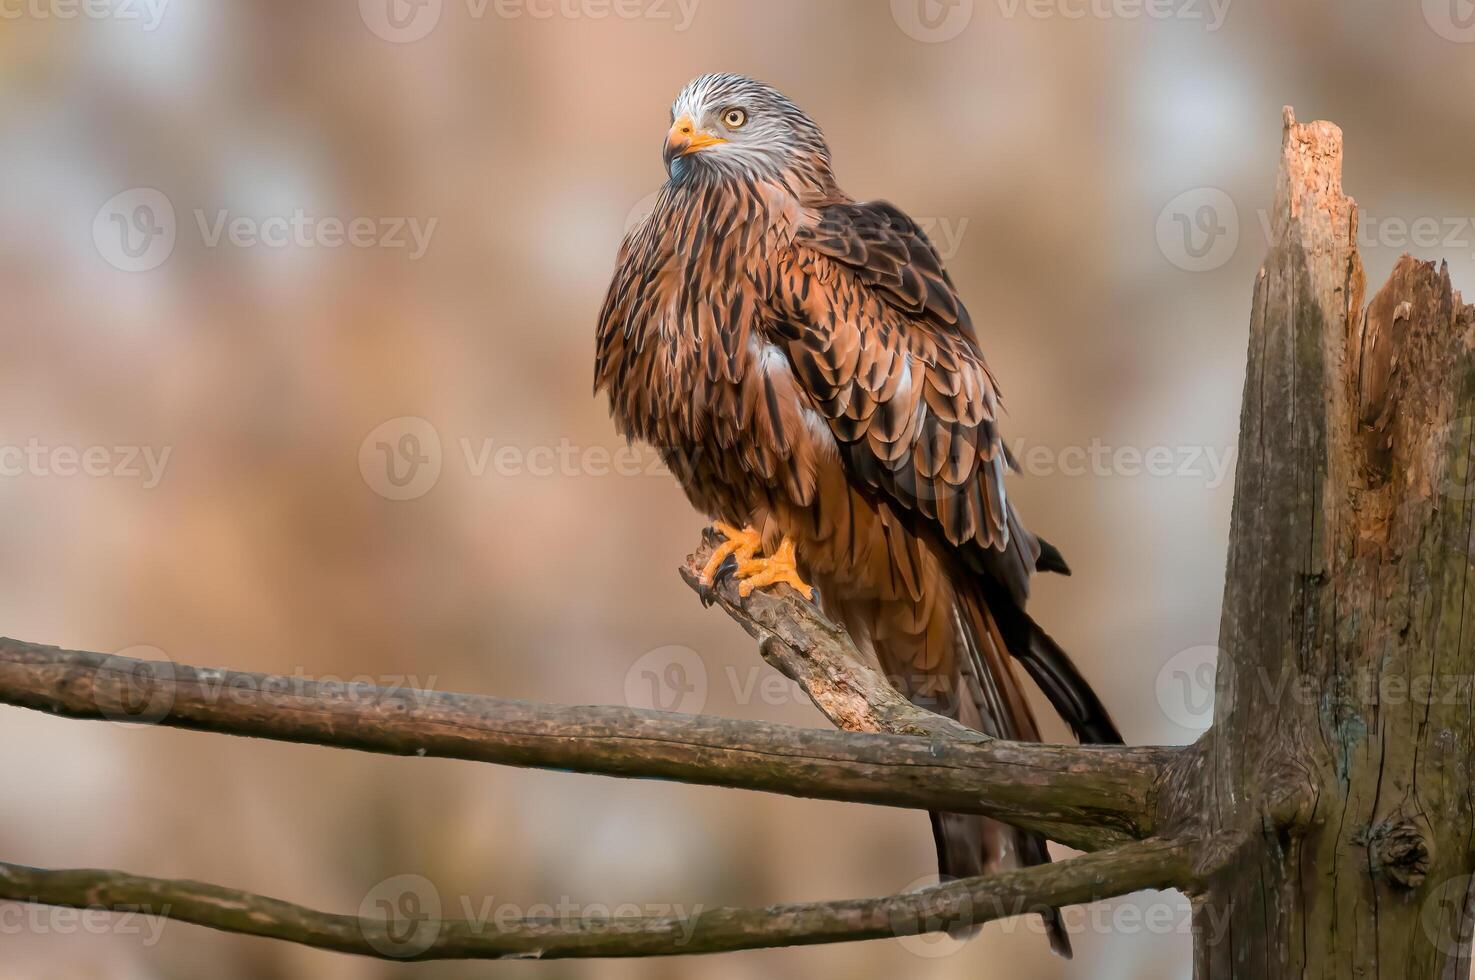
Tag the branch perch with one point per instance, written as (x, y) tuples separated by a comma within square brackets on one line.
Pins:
[(1091, 877), (1089, 799), (891, 753), (798, 641)]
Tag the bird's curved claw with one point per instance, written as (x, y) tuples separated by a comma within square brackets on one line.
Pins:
[(707, 592), (739, 545)]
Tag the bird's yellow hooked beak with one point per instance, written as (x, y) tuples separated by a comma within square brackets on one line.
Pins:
[(685, 138)]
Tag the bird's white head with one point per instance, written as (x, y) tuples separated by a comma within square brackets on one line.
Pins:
[(730, 125)]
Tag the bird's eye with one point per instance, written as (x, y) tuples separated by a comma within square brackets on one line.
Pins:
[(734, 118)]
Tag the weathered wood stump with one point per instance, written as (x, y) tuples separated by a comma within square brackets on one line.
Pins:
[(1338, 769)]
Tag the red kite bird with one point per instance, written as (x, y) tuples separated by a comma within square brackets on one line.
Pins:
[(804, 364)]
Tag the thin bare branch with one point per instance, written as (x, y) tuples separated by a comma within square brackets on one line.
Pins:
[(413, 933), (1087, 801)]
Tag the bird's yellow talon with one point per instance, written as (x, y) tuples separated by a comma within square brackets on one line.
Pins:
[(754, 572), (743, 544), (781, 566)]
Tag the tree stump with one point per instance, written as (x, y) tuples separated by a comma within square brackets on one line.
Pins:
[(1338, 770)]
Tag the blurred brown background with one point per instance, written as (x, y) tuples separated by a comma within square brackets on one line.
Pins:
[(202, 439)]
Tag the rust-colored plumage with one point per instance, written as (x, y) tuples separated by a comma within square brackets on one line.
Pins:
[(806, 367)]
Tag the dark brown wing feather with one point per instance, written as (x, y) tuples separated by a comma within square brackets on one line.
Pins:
[(884, 345), (889, 251)]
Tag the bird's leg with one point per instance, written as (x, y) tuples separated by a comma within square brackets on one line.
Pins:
[(781, 566), (740, 544)]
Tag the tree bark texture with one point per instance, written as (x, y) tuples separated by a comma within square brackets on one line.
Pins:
[(1337, 774)]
